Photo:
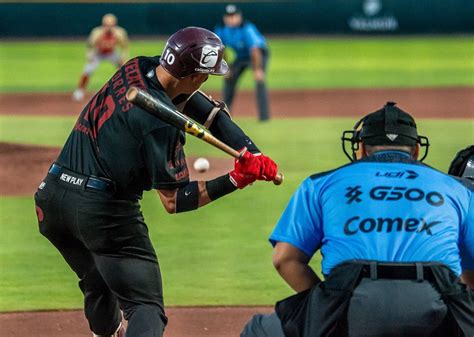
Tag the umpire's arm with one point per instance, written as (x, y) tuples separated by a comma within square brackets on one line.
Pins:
[(467, 277), (292, 265)]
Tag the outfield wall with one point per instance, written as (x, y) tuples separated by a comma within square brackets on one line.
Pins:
[(34, 19)]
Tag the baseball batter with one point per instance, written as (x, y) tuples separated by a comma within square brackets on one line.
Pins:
[(88, 204), (108, 42)]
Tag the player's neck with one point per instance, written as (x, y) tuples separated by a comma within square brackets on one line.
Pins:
[(168, 82)]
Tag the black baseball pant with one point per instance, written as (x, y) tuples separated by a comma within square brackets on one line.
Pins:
[(105, 241), (236, 70)]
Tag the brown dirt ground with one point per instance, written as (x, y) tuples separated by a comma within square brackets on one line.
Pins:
[(452, 102), (18, 178), (183, 322)]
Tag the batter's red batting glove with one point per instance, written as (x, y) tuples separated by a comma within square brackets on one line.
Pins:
[(246, 169), (268, 168)]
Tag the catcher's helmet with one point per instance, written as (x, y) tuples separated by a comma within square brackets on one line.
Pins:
[(194, 50), (387, 126), (463, 163)]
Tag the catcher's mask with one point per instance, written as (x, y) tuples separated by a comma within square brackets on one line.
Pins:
[(463, 163), (387, 126), (469, 170)]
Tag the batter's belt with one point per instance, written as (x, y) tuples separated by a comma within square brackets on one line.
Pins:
[(77, 180)]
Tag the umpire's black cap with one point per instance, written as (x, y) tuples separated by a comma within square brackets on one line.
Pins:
[(389, 126), (232, 9)]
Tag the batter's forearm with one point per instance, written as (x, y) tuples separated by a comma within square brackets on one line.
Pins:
[(196, 194), (216, 118), (226, 130), (203, 194)]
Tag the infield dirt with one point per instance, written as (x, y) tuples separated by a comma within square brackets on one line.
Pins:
[(452, 102)]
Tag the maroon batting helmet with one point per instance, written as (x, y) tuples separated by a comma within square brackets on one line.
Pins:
[(194, 50)]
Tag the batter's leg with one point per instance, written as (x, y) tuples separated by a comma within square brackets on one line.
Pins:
[(230, 82), (137, 284), (117, 236), (100, 304)]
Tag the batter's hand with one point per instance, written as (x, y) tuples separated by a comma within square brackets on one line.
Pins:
[(247, 169), (268, 168)]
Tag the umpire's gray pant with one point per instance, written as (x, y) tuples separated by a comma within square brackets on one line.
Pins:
[(388, 308)]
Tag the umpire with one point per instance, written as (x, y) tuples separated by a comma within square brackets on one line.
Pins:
[(88, 204), (250, 50), (395, 236)]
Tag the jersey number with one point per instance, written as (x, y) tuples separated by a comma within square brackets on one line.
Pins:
[(169, 58), (97, 114)]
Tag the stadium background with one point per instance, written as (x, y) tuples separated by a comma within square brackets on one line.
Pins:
[(331, 62)]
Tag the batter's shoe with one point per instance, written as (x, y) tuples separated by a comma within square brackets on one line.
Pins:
[(119, 333), (78, 95)]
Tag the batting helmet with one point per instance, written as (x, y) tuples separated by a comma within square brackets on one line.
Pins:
[(194, 50), (387, 126)]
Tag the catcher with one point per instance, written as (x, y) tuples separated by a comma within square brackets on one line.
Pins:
[(102, 46), (463, 164)]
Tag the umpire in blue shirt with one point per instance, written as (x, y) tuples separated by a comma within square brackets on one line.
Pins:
[(250, 48), (396, 238)]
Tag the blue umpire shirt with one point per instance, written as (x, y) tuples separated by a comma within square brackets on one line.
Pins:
[(386, 207), (241, 39)]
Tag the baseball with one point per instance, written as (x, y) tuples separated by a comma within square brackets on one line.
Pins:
[(201, 165)]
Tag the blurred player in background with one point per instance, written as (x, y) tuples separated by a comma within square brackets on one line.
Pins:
[(102, 46), (250, 48)]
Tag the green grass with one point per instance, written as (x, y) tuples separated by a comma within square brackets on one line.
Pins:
[(295, 63), (219, 254), (216, 255)]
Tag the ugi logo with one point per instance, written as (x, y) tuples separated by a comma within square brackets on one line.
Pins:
[(406, 174)]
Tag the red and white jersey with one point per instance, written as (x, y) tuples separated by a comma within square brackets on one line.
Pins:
[(104, 40)]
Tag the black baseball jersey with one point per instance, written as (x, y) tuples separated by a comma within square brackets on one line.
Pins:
[(117, 140)]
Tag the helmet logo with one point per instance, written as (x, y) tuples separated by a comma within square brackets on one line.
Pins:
[(209, 56), (391, 136)]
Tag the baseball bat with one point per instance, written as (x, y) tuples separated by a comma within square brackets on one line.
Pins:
[(175, 118)]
